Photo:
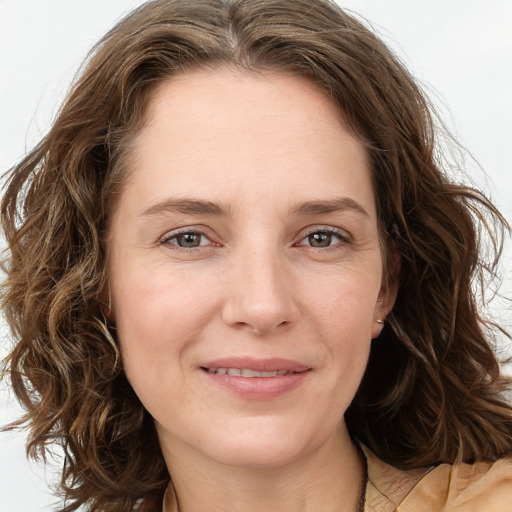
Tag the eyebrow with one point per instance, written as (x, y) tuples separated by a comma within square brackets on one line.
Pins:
[(199, 207), (335, 205), (189, 207)]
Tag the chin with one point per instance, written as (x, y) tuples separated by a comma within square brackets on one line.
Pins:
[(258, 455), (261, 445)]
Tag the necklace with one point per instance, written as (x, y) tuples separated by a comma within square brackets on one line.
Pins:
[(362, 494)]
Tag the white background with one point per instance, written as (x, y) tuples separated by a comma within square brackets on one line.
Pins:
[(460, 48)]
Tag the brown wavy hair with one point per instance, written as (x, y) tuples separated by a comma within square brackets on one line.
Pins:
[(432, 392)]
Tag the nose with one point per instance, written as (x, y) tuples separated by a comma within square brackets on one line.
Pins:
[(262, 294)]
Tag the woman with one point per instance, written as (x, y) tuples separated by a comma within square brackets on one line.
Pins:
[(234, 201)]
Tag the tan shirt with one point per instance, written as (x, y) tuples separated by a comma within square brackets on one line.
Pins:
[(480, 487)]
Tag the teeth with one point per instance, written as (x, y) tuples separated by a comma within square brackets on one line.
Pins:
[(246, 372), (249, 373)]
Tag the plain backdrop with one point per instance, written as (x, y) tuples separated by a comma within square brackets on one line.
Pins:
[(459, 49)]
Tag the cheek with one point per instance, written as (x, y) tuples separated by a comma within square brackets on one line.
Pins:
[(342, 314), (344, 300), (158, 320)]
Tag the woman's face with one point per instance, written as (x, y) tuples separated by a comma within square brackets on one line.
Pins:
[(245, 267)]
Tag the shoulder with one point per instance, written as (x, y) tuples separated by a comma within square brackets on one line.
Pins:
[(483, 486), (463, 488), (388, 486)]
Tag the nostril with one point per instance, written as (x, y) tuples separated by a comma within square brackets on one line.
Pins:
[(263, 306)]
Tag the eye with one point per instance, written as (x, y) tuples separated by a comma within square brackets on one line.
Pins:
[(323, 238), (187, 239)]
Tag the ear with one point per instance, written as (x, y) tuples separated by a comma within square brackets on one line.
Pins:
[(388, 292)]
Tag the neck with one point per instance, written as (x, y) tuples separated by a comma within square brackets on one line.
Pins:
[(328, 478)]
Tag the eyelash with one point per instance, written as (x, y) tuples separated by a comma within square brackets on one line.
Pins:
[(167, 239), (343, 237)]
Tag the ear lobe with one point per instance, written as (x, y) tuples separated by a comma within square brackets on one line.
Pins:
[(389, 288), (387, 298), (387, 294), (385, 303)]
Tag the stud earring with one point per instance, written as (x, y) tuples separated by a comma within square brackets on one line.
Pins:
[(380, 321)]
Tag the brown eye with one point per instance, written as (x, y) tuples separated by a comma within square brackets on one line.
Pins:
[(187, 240), (325, 238), (320, 239)]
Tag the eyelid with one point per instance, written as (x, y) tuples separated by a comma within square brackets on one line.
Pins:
[(341, 233), (203, 231), (198, 230)]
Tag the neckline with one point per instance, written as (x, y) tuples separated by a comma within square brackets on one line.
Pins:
[(375, 484), (388, 487)]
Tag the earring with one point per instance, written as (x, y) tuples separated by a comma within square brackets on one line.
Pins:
[(380, 321)]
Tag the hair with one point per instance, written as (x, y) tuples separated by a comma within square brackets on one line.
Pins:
[(432, 391)]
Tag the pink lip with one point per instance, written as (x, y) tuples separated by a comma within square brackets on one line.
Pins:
[(257, 388)]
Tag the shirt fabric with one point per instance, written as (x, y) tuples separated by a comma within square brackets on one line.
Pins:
[(479, 487)]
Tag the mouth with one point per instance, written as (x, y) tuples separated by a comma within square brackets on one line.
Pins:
[(249, 373), (256, 379)]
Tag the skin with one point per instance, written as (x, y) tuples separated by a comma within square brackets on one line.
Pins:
[(287, 265)]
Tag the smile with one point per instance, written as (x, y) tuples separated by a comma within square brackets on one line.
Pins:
[(246, 372), (256, 379)]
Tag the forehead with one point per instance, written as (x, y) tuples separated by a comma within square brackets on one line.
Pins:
[(213, 89), (232, 133)]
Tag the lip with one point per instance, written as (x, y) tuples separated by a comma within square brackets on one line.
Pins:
[(259, 365), (257, 388)]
